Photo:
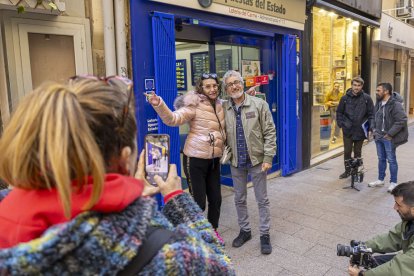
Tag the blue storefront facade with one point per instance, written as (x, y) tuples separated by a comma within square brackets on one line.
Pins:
[(172, 44)]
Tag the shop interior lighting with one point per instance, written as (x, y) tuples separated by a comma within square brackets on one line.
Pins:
[(332, 14), (322, 11)]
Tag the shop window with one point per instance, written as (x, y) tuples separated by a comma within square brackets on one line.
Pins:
[(192, 60), (335, 63)]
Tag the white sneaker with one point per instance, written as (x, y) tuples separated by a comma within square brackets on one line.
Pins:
[(392, 186), (376, 183)]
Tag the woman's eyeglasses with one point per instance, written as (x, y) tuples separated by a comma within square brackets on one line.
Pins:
[(208, 76), (230, 84), (124, 84)]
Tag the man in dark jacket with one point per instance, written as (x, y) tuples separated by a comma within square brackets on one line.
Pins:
[(354, 109), (390, 131), (401, 237)]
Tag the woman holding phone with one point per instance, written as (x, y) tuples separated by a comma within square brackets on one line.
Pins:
[(203, 111), (70, 152)]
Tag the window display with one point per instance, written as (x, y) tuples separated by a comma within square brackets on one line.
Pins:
[(336, 55)]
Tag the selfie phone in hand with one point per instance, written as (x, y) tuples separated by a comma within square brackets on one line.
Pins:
[(157, 156)]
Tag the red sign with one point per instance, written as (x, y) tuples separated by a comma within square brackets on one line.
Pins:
[(259, 80)]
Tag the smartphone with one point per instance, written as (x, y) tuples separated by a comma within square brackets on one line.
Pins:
[(157, 156)]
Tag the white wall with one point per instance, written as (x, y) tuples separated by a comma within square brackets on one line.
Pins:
[(75, 8), (388, 4)]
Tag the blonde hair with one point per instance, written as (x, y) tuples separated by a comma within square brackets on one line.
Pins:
[(63, 133)]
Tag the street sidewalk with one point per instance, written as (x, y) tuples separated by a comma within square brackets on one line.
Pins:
[(311, 213)]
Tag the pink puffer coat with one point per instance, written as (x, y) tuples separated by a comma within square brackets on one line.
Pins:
[(205, 139)]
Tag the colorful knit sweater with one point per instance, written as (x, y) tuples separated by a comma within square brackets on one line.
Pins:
[(103, 244)]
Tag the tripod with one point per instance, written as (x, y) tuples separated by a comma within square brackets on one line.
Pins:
[(357, 172), (354, 176)]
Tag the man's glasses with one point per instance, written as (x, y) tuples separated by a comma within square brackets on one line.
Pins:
[(124, 84), (230, 84), (210, 86), (208, 76)]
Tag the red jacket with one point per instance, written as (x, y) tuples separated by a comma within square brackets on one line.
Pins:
[(26, 214)]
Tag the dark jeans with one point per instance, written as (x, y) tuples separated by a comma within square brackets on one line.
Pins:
[(355, 145), (203, 177), (382, 259)]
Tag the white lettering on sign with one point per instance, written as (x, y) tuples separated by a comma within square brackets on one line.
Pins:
[(257, 16), (152, 125)]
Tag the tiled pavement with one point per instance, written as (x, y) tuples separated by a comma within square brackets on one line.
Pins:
[(311, 214)]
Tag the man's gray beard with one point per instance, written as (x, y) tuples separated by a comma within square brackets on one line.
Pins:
[(236, 96)]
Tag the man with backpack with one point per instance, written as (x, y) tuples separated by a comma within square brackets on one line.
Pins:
[(390, 131), (355, 109)]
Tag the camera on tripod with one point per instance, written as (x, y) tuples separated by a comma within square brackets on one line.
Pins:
[(356, 166), (358, 252)]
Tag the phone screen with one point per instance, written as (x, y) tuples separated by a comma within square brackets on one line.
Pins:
[(157, 156)]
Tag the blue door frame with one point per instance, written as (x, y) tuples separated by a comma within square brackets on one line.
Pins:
[(289, 106), (266, 44), (151, 57)]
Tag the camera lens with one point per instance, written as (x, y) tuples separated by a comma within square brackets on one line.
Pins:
[(343, 250)]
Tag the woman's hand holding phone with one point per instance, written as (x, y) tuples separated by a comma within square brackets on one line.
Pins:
[(149, 190), (172, 184)]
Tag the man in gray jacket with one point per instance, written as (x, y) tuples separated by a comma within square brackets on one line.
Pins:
[(390, 131), (251, 134)]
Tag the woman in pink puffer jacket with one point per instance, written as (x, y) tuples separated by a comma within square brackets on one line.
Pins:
[(203, 111)]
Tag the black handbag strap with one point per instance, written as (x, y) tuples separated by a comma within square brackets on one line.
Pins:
[(220, 127), (155, 238)]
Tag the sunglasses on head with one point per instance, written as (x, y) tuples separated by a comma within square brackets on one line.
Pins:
[(123, 83), (208, 76)]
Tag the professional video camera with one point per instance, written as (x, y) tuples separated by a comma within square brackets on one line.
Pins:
[(359, 254), (356, 168)]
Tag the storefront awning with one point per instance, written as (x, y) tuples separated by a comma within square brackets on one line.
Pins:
[(344, 12)]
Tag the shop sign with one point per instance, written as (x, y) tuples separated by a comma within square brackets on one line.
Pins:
[(258, 80), (393, 31), (152, 120), (293, 9), (285, 13), (181, 72)]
